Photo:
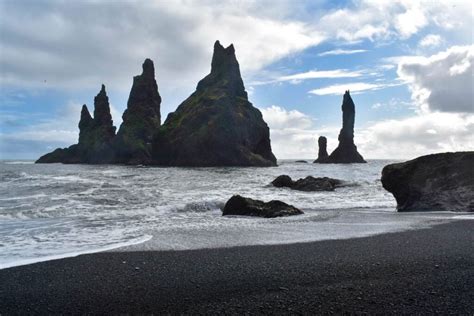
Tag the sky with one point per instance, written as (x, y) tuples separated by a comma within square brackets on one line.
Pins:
[(408, 65)]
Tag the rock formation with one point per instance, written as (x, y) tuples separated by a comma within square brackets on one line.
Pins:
[(95, 137), (322, 153), (346, 151), (307, 184), (438, 182), (216, 125), (238, 205), (141, 119)]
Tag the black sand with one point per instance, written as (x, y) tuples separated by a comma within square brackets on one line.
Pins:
[(429, 271)]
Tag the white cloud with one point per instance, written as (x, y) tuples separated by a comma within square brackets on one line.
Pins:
[(431, 40), (293, 134), (338, 89), (73, 52), (342, 52), (442, 82), (418, 135)]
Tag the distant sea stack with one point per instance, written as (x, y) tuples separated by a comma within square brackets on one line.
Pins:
[(438, 182), (346, 151), (216, 125), (322, 152), (95, 137), (141, 119)]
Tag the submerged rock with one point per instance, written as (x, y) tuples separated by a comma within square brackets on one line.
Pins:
[(438, 182), (238, 205), (216, 125), (307, 184), (346, 151), (301, 161), (322, 152), (141, 119)]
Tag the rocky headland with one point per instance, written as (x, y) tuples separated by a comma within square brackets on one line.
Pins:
[(438, 182)]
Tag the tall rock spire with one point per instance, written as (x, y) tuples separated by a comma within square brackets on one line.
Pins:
[(86, 124), (346, 151), (141, 119), (102, 117), (216, 125)]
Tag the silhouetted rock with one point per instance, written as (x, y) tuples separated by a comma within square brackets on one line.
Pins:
[(439, 182), (216, 125), (307, 184), (301, 161), (141, 119), (95, 137), (346, 151), (238, 205), (322, 153)]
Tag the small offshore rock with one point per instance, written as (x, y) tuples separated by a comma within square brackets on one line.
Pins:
[(238, 205)]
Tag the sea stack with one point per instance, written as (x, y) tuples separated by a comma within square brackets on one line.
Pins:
[(141, 119), (95, 137), (216, 125), (346, 151), (322, 153)]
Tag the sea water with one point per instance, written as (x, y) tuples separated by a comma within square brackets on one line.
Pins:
[(50, 211)]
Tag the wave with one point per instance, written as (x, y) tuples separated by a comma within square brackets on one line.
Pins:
[(200, 207), (25, 261)]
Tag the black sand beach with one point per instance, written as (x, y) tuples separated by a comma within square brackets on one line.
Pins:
[(429, 271)]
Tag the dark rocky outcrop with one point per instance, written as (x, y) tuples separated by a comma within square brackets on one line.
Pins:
[(301, 161), (238, 205), (322, 153), (307, 184), (346, 151), (438, 182), (141, 119), (95, 137), (216, 125)]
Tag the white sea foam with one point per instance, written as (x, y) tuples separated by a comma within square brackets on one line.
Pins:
[(54, 211)]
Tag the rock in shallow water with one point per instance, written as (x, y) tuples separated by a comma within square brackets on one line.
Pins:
[(439, 182), (238, 205), (307, 184)]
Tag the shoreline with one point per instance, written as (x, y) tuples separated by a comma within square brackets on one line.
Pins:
[(429, 270)]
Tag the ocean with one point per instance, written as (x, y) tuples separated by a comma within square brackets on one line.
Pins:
[(50, 211)]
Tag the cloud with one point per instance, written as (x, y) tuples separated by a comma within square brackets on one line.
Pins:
[(431, 40), (293, 134), (416, 136), (81, 44), (442, 82), (342, 52), (338, 89)]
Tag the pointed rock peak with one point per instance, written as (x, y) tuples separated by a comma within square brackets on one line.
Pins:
[(148, 68), (85, 114), (347, 97), (223, 58)]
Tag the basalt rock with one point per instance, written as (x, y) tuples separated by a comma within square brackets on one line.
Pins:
[(322, 153), (346, 151), (141, 119), (438, 182), (238, 205), (307, 184), (95, 137), (216, 125)]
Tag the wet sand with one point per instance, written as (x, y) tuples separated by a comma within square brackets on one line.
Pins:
[(427, 271)]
